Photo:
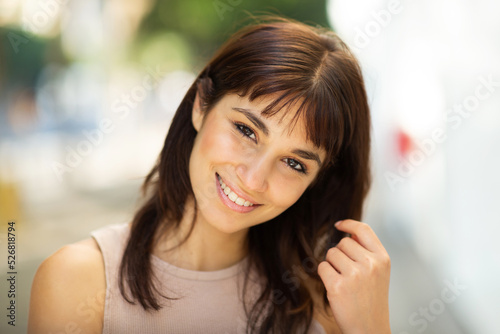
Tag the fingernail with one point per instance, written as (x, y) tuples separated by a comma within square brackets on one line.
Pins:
[(337, 223)]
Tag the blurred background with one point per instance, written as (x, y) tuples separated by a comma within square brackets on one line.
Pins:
[(88, 89)]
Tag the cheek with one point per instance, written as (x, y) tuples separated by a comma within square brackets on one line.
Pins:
[(286, 193), (218, 144)]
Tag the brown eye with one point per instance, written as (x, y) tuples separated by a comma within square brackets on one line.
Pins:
[(295, 165), (246, 131)]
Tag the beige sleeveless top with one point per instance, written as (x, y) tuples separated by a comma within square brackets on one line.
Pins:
[(209, 301)]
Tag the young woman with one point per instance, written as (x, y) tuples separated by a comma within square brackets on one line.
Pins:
[(267, 151)]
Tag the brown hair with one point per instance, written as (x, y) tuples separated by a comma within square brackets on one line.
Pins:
[(301, 64)]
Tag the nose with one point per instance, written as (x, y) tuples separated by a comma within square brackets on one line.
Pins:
[(254, 173)]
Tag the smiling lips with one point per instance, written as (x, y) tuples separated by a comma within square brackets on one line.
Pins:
[(232, 195), (232, 199)]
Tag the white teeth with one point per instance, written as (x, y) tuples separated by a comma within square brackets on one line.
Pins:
[(232, 195)]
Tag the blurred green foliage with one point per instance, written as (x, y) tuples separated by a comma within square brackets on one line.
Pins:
[(16, 67), (175, 35), (23, 55), (205, 25)]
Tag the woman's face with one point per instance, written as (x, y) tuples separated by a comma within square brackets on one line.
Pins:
[(255, 157)]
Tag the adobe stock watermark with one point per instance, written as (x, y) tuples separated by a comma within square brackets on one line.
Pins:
[(49, 9), (87, 311), (380, 20), (223, 6), (421, 318), (93, 138), (36, 22), (455, 117), (17, 40)]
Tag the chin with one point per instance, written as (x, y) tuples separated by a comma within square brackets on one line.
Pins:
[(226, 228)]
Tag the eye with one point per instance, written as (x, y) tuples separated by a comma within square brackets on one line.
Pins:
[(246, 131), (293, 164)]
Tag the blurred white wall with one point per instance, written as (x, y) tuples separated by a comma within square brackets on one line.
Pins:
[(433, 75)]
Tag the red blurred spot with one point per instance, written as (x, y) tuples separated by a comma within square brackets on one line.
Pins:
[(404, 143)]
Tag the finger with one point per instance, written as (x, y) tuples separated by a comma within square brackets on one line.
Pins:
[(341, 262), (363, 233), (353, 249), (327, 273)]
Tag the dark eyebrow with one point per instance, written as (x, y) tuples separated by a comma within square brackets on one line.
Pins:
[(262, 127), (308, 155), (254, 119)]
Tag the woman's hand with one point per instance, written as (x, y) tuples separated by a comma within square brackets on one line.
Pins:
[(356, 276)]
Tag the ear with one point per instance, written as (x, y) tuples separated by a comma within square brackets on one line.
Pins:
[(197, 114)]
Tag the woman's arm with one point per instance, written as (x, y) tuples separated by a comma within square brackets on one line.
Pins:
[(68, 291), (356, 276)]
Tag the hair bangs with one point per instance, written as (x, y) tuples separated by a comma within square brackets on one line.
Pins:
[(323, 118)]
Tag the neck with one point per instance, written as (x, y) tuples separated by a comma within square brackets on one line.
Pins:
[(206, 248)]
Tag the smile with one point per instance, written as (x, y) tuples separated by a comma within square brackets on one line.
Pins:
[(231, 199)]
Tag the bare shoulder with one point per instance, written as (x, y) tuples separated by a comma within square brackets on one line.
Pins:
[(68, 291)]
